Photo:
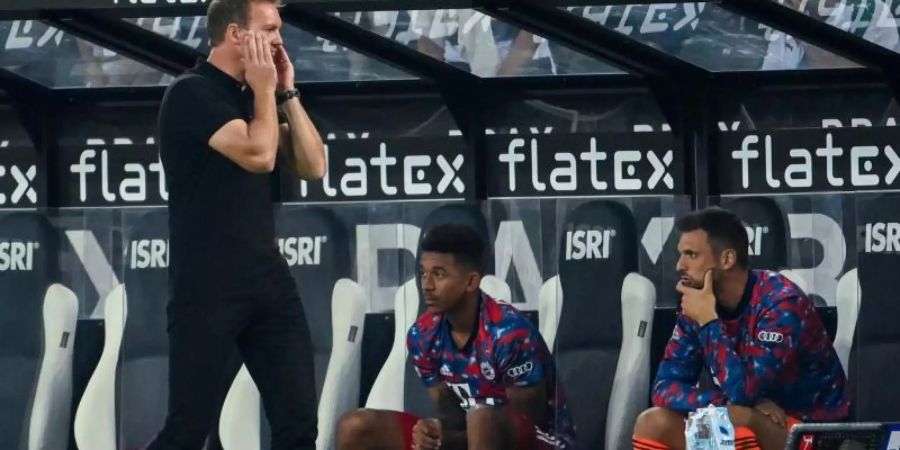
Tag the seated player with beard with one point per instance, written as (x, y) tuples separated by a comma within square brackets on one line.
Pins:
[(759, 336)]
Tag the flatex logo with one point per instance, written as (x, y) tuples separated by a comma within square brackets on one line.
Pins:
[(402, 169), (122, 173), (577, 164), (783, 161), (644, 20), (24, 185), (18, 176), (17, 256), (882, 237)]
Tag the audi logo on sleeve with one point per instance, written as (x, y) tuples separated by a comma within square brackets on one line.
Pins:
[(770, 337), (519, 371)]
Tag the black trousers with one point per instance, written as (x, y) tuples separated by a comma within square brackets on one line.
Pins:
[(272, 335)]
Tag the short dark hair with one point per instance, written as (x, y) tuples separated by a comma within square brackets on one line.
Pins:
[(221, 13), (458, 240), (724, 229)]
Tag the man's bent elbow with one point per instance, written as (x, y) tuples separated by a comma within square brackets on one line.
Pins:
[(259, 163), (316, 170), (320, 170)]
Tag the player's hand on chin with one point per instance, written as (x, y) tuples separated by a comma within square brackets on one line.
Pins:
[(427, 434), (699, 305)]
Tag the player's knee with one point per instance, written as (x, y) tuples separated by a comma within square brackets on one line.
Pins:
[(654, 423), (356, 425), (486, 417)]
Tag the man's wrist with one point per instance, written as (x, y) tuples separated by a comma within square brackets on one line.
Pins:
[(282, 96), (265, 92), (707, 319)]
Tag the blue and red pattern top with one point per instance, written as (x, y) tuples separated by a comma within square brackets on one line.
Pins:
[(507, 351), (773, 347)]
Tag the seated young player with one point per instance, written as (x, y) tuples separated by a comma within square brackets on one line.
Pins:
[(769, 357), (486, 367)]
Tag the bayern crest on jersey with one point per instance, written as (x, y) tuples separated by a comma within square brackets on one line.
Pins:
[(487, 371)]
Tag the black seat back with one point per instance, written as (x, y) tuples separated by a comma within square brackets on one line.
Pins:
[(598, 248), (877, 340), (28, 251), (767, 230), (144, 375)]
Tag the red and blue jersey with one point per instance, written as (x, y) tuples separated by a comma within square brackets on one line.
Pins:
[(774, 346), (507, 351)]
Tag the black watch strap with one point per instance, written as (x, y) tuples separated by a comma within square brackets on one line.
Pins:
[(283, 96)]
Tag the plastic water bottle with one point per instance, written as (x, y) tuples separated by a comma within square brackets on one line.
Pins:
[(709, 428)]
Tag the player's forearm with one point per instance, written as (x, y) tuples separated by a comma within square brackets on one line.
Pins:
[(742, 384), (683, 397), (305, 144), (263, 129)]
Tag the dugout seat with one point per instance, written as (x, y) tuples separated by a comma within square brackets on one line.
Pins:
[(37, 332), (602, 344), (767, 230), (125, 402), (876, 336)]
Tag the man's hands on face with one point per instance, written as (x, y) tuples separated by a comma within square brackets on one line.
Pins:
[(259, 67), (769, 409), (285, 69), (699, 305), (427, 435)]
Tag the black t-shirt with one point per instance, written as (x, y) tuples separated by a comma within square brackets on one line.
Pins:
[(221, 224)]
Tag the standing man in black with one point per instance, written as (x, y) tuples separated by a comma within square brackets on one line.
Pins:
[(229, 285)]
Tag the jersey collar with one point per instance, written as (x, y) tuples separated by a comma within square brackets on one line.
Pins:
[(219, 77), (475, 326), (745, 299)]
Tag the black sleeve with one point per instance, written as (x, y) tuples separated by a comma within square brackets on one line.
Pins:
[(200, 108)]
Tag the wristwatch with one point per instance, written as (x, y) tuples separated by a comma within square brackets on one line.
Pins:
[(283, 96)]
